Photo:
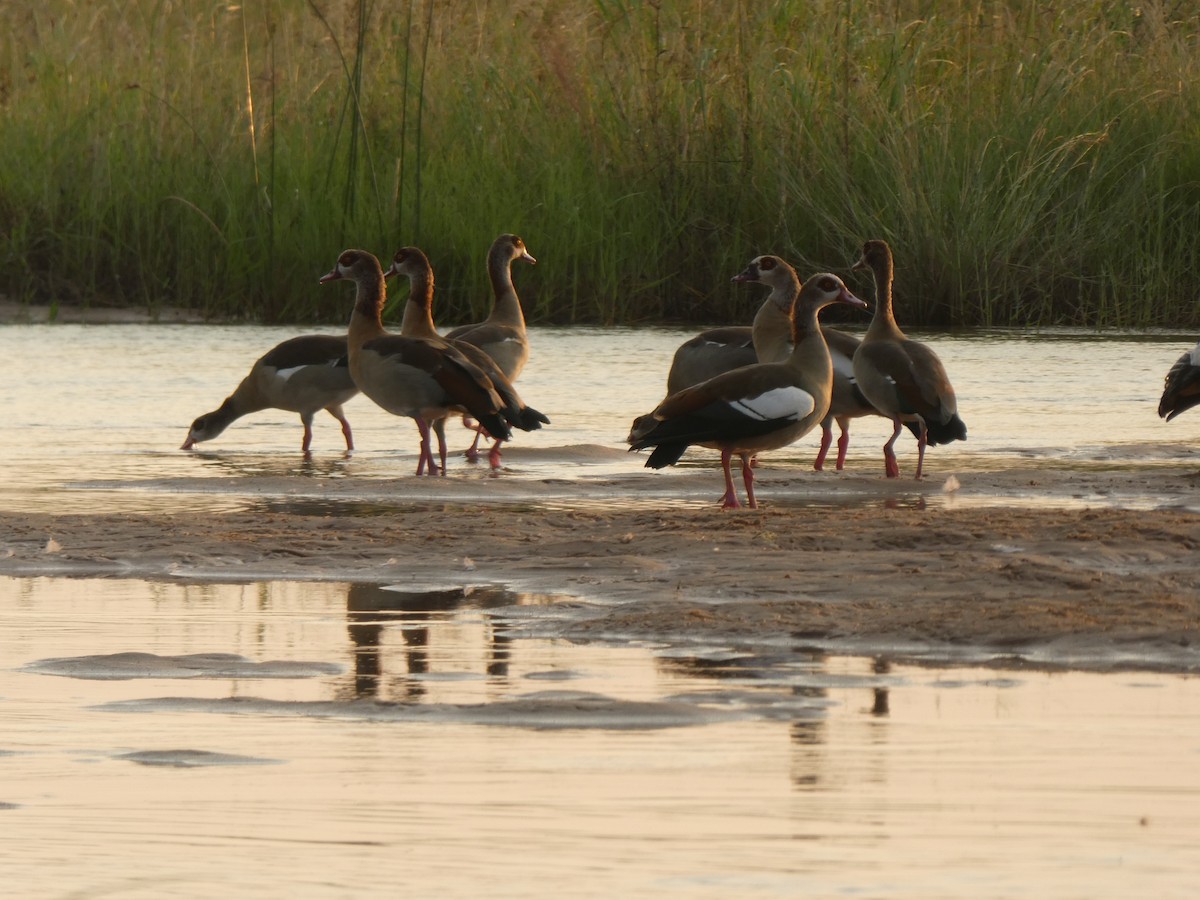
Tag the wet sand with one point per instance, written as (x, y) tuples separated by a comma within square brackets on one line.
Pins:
[(1030, 565)]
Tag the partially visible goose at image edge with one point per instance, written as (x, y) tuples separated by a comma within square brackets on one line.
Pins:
[(755, 408), (502, 335), (302, 375), (902, 378), (1181, 387), (422, 380), (413, 264)]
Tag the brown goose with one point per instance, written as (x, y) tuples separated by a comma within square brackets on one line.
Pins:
[(422, 379), (903, 379), (847, 401), (502, 334), (758, 407), (301, 375), (769, 340), (1181, 388), (413, 264)]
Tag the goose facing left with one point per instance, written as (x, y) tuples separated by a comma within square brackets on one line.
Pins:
[(413, 264), (1181, 387), (301, 375), (424, 380)]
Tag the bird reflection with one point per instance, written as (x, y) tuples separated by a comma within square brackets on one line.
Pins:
[(261, 465), (881, 666), (371, 608), (808, 729)]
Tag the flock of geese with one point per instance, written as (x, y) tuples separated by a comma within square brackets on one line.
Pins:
[(740, 390)]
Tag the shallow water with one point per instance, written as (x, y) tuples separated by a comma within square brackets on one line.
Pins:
[(335, 740), (302, 740), (100, 423)]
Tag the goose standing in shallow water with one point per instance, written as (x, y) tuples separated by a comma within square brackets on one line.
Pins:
[(413, 264), (758, 407), (301, 375), (422, 379), (1181, 388), (502, 335), (902, 378), (768, 339)]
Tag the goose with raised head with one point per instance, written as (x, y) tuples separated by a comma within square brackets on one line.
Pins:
[(407, 376), (755, 408), (1181, 387), (301, 375), (768, 339), (502, 335), (417, 321), (902, 378)]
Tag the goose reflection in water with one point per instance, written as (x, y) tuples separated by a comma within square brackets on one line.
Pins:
[(373, 608), (807, 704)]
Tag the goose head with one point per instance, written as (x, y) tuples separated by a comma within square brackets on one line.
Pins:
[(356, 265), (509, 247), (410, 262), (875, 254), (824, 289), (769, 270)]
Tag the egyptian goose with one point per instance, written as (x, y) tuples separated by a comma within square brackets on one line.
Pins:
[(502, 334), (758, 407), (769, 340), (1181, 389), (301, 375), (412, 263), (902, 378), (422, 379), (847, 401)]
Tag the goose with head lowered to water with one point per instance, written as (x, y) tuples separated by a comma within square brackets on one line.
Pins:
[(754, 408), (1181, 387), (302, 375)]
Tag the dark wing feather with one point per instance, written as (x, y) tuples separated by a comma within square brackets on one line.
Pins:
[(307, 350), (463, 383)]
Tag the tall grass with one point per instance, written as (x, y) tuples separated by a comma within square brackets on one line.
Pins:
[(1030, 164)]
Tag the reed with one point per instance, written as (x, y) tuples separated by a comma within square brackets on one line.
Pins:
[(1030, 165)]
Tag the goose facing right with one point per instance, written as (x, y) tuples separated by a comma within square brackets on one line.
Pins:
[(755, 408), (768, 339), (902, 378), (502, 335)]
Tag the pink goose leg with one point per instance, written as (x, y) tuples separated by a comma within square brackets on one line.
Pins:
[(889, 455), (730, 500)]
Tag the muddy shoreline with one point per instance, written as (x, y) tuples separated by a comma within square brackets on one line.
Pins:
[(904, 569)]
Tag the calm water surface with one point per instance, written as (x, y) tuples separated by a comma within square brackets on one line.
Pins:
[(115, 404), (329, 740), (335, 740)]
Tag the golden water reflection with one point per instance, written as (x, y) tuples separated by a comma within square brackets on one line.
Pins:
[(806, 774)]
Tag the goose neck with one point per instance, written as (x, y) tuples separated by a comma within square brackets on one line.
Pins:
[(810, 351), (883, 322), (507, 306), (418, 310)]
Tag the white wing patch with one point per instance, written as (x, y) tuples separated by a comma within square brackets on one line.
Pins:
[(780, 403), (285, 374), (842, 365)]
